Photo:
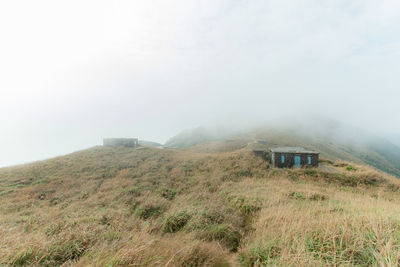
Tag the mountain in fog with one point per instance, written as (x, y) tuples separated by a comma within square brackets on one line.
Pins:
[(334, 140)]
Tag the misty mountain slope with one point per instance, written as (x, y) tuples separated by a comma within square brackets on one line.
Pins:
[(394, 138), (162, 207), (191, 137), (333, 144)]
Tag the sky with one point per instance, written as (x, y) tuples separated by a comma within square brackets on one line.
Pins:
[(73, 72)]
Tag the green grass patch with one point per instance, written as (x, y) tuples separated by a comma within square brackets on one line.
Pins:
[(350, 168), (246, 207), (62, 252), (148, 211), (5, 192), (168, 193), (261, 255), (41, 181), (175, 222), (297, 196), (225, 234), (26, 258)]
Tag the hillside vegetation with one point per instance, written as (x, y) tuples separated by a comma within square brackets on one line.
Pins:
[(333, 143), (164, 207)]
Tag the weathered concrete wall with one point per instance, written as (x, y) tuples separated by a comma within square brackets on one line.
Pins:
[(126, 142), (289, 160)]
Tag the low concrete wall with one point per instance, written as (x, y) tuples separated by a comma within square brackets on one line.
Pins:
[(126, 142)]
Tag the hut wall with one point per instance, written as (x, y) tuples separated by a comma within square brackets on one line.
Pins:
[(289, 159)]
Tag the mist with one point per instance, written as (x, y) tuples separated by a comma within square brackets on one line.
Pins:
[(75, 72)]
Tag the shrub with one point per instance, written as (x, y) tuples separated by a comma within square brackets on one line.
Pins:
[(340, 164), (296, 195), (236, 176), (135, 192), (55, 255), (105, 220), (62, 252), (147, 211), (201, 255), (392, 187), (54, 229), (340, 178), (317, 197), (168, 193), (55, 200), (350, 168), (243, 173), (228, 236), (274, 172), (188, 168), (205, 218), (261, 255), (371, 179), (310, 172), (245, 207), (331, 248), (26, 258), (309, 196), (175, 222), (212, 187)]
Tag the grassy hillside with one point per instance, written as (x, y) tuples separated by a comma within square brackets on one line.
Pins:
[(160, 207), (333, 144)]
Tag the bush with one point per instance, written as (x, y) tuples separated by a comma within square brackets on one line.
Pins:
[(175, 222), (206, 218), (54, 229), (341, 179), (201, 255), (55, 255), (26, 258), (62, 252), (310, 172), (350, 168), (168, 193), (243, 173), (135, 192), (147, 211), (245, 207), (297, 195), (228, 236), (371, 179), (261, 255), (317, 197), (307, 196), (105, 220), (236, 176), (188, 168)]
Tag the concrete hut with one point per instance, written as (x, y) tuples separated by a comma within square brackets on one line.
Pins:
[(125, 142), (288, 157)]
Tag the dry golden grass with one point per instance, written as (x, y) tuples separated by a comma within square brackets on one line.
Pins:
[(153, 207)]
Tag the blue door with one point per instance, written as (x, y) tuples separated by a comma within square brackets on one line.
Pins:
[(297, 161)]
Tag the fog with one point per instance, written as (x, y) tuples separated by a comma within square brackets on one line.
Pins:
[(73, 72)]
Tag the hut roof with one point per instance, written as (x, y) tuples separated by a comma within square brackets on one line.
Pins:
[(293, 150)]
